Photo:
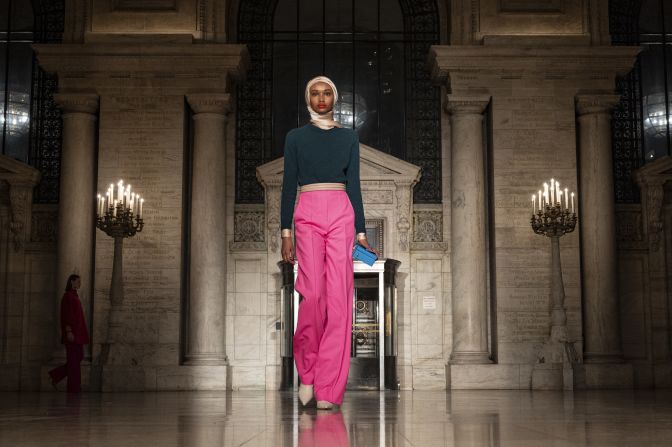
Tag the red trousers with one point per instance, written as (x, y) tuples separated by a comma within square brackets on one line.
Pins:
[(71, 370), (324, 227)]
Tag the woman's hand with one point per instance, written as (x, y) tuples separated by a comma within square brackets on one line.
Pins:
[(364, 243), (287, 249)]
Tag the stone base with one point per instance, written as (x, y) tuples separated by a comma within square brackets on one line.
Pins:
[(429, 378), (164, 378), (552, 376), (603, 376), (489, 377)]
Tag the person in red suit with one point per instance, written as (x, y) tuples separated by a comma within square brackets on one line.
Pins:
[(74, 336)]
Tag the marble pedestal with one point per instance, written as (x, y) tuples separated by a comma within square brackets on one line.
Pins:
[(603, 376)]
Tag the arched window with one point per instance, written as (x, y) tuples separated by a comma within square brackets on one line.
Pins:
[(642, 121), (374, 50), (30, 121)]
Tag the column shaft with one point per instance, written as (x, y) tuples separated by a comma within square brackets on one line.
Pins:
[(468, 235), (76, 206), (206, 342), (602, 334)]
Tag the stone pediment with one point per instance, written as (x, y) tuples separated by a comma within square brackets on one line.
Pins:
[(14, 171), (374, 165), (660, 168)]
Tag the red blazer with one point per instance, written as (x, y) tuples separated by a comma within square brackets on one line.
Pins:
[(72, 315)]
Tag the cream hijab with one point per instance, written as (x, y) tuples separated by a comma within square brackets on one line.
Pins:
[(323, 121)]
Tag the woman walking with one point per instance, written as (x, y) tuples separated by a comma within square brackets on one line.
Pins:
[(322, 159), (74, 335)]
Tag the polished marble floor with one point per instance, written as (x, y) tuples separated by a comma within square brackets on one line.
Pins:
[(418, 418)]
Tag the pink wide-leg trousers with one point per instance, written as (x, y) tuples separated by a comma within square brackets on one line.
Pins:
[(324, 228)]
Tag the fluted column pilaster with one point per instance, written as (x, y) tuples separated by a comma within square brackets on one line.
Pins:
[(205, 342), (76, 205), (602, 329), (468, 236)]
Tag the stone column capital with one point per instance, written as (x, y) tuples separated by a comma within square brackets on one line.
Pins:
[(217, 103), (467, 105), (77, 102), (595, 103)]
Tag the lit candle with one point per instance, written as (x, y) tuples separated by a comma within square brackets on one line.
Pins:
[(552, 192), (559, 199), (566, 198), (140, 210), (557, 192), (534, 204), (545, 193), (132, 201), (114, 209), (120, 191), (540, 206), (572, 203)]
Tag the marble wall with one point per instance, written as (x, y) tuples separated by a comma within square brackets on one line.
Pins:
[(141, 139)]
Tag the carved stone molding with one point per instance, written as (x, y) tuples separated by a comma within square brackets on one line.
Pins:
[(466, 105), (77, 20), (653, 192), (629, 226), (377, 196), (249, 233), (471, 67), (20, 197), (651, 179), (598, 103), (273, 214), (77, 102), (21, 179), (428, 226), (403, 193), (212, 20), (44, 224), (217, 103)]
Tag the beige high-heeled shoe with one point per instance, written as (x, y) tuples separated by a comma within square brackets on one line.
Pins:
[(305, 394), (325, 405)]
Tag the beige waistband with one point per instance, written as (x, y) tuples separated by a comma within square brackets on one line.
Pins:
[(322, 187)]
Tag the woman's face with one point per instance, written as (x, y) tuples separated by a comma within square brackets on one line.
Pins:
[(321, 97), (76, 283)]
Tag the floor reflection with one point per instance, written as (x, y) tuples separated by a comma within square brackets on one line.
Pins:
[(420, 418)]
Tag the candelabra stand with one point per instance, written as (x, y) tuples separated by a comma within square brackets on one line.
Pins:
[(118, 222), (554, 222)]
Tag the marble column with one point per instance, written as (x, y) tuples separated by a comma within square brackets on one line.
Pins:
[(602, 333), (469, 258), (76, 205), (207, 255)]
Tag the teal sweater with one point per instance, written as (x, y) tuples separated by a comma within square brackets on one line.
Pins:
[(314, 155)]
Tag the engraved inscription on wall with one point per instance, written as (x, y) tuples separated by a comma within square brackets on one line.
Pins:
[(145, 5), (530, 6)]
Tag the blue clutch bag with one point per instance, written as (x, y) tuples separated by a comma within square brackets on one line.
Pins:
[(362, 254)]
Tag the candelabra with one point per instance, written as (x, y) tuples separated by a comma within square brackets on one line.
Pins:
[(553, 220), (117, 217)]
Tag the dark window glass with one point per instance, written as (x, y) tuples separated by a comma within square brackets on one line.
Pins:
[(641, 122), (376, 56), (15, 82)]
